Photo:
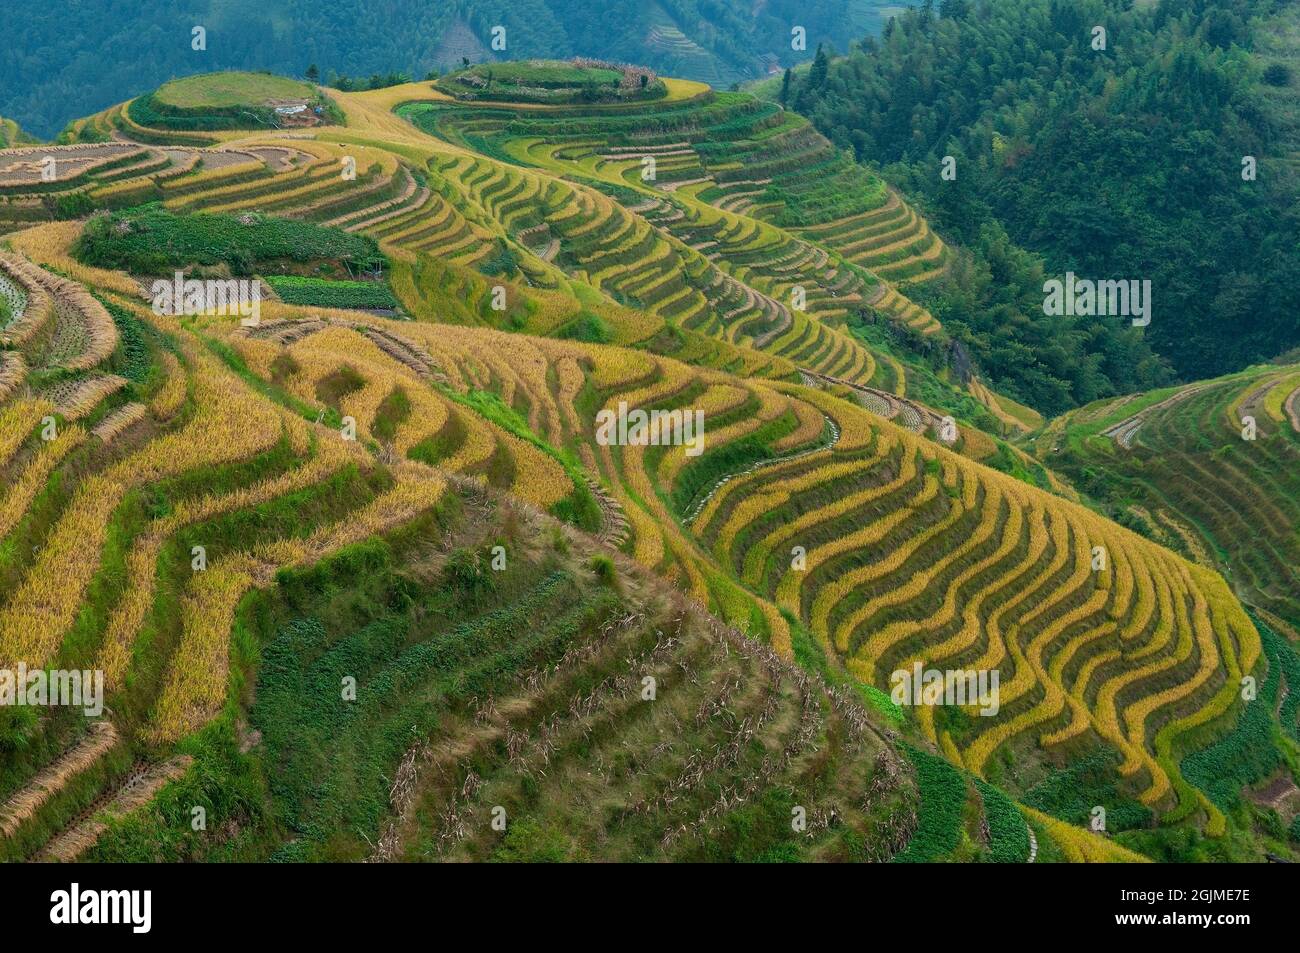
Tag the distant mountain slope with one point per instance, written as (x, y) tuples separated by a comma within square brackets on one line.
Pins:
[(1157, 157), (47, 79)]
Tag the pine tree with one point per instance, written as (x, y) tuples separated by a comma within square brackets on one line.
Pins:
[(820, 69), (785, 86)]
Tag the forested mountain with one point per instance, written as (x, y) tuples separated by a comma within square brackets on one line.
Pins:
[(52, 76), (1123, 162)]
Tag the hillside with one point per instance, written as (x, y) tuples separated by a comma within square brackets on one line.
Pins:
[(865, 248), (234, 100), (299, 480), (1059, 147), (1209, 468), (859, 506), (46, 81), (11, 134)]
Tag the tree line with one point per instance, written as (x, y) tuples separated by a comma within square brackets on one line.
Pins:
[(1092, 136)]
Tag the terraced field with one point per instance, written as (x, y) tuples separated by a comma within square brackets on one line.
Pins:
[(1221, 491), (913, 553), (728, 164), (753, 233), (232, 520), (197, 448)]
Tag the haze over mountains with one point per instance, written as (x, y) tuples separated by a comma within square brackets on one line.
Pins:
[(78, 57)]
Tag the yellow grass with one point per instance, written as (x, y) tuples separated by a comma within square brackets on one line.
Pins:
[(196, 683), (230, 424), (1080, 846)]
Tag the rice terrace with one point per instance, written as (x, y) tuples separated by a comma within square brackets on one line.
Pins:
[(561, 458)]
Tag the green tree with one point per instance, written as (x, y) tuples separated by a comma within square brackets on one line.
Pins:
[(1277, 74), (1125, 166), (820, 69)]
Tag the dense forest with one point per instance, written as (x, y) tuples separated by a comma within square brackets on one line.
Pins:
[(49, 74), (1120, 155)]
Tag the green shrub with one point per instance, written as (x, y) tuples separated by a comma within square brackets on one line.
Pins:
[(133, 360), (1008, 833), (468, 571), (588, 328), (527, 841), (939, 820), (1277, 74), (502, 262), (73, 205), (1250, 752), (603, 568), (1071, 793), (324, 293), (150, 239)]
